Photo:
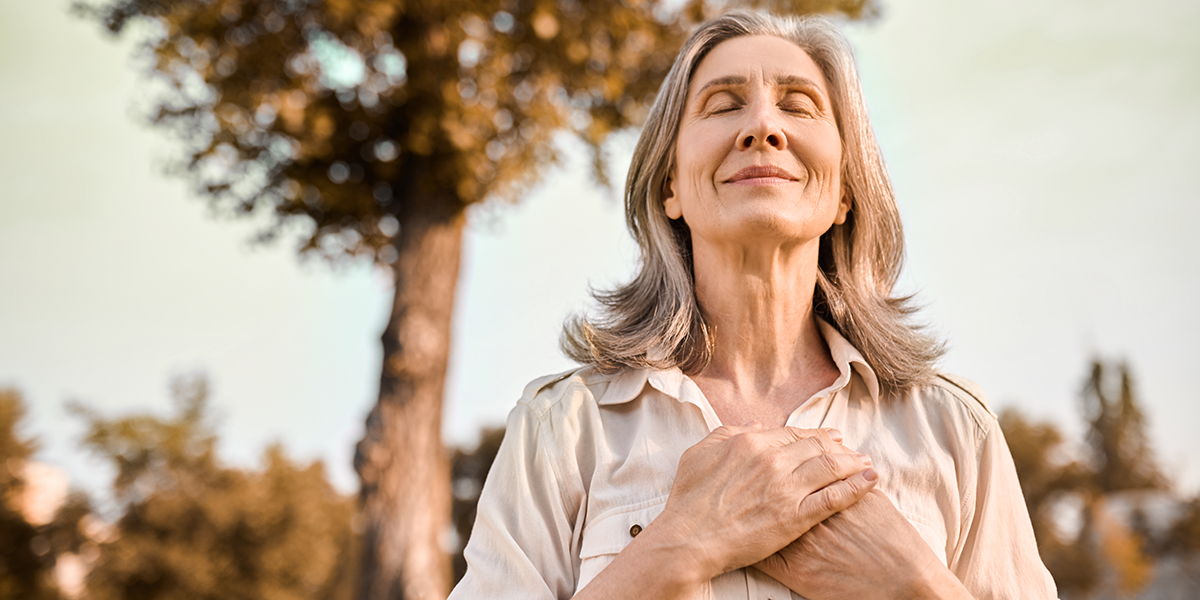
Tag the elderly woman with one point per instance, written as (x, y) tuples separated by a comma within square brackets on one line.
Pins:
[(756, 418)]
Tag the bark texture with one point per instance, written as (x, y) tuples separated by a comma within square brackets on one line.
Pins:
[(401, 462)]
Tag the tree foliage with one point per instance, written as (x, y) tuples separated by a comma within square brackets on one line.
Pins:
[(1117, 432), (193, 528), (29, 550), (13, 447), (23, 572)]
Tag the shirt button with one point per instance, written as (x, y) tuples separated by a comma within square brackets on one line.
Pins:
[(636, 529)]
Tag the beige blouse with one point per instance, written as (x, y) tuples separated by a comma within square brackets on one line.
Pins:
[(588, 460)]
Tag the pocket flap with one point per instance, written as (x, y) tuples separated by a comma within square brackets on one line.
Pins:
[(610, 533)]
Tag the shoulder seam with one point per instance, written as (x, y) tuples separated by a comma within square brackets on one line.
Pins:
[(965, 388), (542, 384)]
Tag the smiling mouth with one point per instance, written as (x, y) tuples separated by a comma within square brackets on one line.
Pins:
[(761, 174)]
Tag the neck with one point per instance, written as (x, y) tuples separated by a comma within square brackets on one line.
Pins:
[(759, 303)]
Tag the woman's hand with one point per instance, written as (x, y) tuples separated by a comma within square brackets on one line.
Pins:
[(739, 495), (866, 551), (743, 493)]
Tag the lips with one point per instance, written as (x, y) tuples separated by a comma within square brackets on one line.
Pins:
[(761, 173)]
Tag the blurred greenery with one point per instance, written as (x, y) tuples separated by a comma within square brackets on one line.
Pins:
[(1121, 454), (23, 572), (29, 549), (1110, 552), (193, 528)]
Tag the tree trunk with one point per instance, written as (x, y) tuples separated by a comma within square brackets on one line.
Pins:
[(401, 462)]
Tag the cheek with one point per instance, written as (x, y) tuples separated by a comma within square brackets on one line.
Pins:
[(824, 152), (696, 167)]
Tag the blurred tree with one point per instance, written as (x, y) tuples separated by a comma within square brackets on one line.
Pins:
[(1106, 551), (14, 449), (191, 528), (1117, 432), (24, 568), (30, 546), (371, 125), (1123, 461)]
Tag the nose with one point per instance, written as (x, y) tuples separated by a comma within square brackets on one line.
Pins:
[(763, 129)]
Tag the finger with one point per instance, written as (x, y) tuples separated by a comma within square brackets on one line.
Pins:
[(725, 432), (829, 432), (836, 497), (812, 447), (825, 469), (783, 436)]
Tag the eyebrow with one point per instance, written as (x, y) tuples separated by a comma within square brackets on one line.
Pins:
[(782, 80)]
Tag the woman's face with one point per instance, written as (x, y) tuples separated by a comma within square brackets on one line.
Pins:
[(759, 155)]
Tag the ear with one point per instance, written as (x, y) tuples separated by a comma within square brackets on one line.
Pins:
[(670, 200), (844, 205)]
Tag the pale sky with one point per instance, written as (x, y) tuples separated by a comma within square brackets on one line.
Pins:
[(1042, 155)]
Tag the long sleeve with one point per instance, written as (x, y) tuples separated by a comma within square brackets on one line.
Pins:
[(521, 544), (999, 557)]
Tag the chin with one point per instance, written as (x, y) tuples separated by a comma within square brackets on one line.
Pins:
[(772, 227)]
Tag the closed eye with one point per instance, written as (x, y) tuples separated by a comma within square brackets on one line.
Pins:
[(722, 101), (799, 109), (723, 108), (797, 102)]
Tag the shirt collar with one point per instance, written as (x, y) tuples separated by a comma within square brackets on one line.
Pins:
[(628, 384), (847, 357)]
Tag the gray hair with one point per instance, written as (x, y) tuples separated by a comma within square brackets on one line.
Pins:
[(655, 320)]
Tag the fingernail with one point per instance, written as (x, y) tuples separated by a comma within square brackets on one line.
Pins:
[(866, 460), (870, 475), (750, 423), (835, 435)]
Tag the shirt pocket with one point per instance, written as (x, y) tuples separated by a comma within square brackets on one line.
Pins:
[(609, 533)]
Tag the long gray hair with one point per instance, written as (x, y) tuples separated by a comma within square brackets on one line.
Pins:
[(655, 320)]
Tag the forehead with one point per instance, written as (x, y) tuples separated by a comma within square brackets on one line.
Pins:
[(757, 58)]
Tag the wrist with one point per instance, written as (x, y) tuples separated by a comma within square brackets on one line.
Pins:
[(678, 550), (653, 565)]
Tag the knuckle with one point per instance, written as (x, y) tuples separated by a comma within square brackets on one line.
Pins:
[(742, 443), (853, 488), (828, 465), (838, 497), (799, 434), (767, 460), (827, 500)]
